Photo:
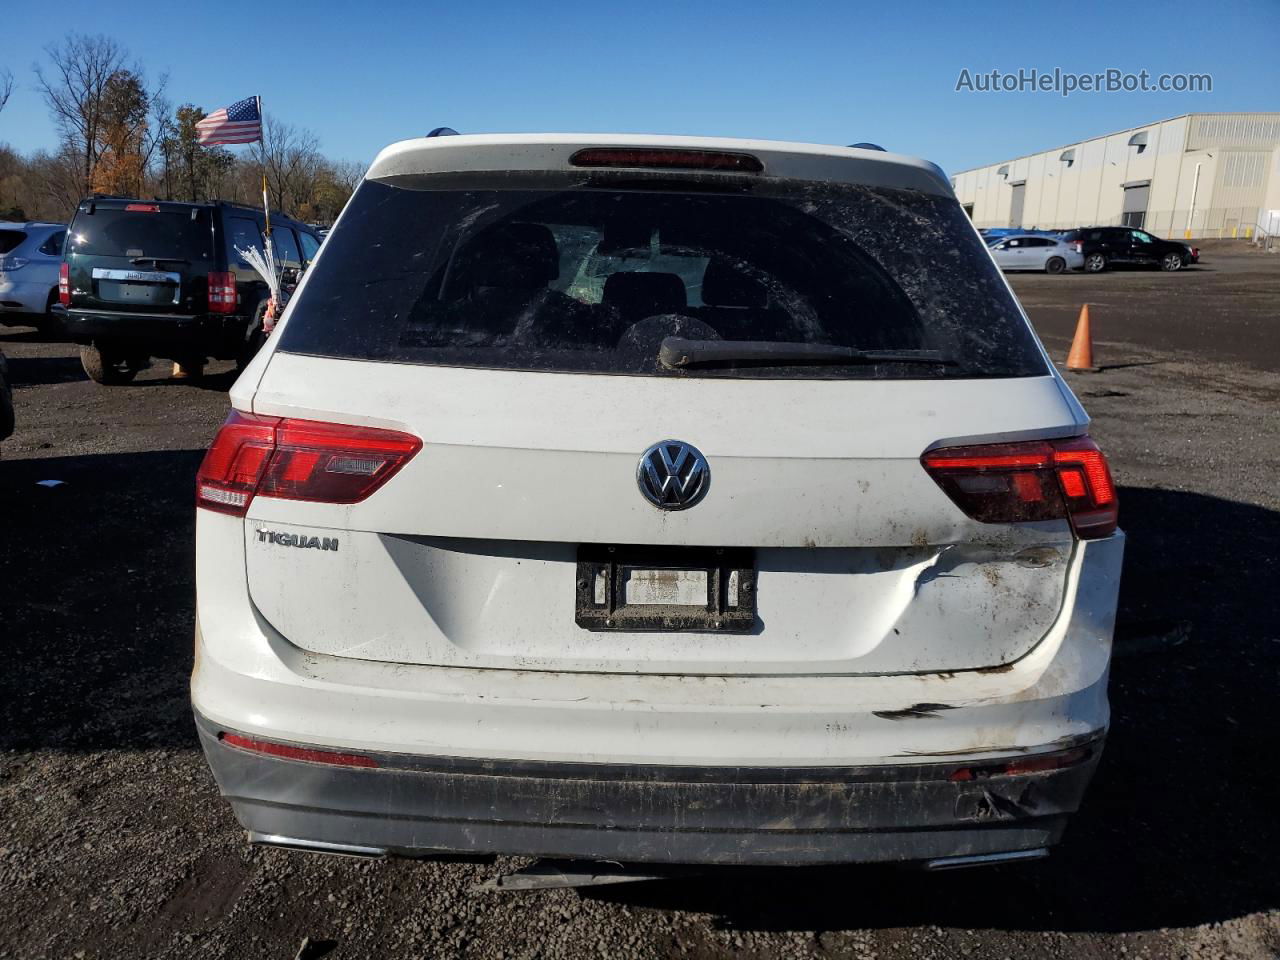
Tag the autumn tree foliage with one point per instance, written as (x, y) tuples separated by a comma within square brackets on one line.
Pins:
[(118, 134)]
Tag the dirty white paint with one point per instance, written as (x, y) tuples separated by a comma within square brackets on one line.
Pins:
[(251, 678)]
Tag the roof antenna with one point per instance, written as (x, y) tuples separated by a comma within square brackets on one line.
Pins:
[(443, 132)]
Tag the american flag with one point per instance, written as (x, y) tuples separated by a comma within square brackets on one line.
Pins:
[(239, 123)]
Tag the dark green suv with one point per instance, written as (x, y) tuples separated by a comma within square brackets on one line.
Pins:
[(143, 279)]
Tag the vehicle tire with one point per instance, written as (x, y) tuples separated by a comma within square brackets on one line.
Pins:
[(106, 366), (254, 338), (1171, 262), (1095, 263), (1055, 265)]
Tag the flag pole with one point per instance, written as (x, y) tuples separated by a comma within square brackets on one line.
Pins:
[(262, 127)]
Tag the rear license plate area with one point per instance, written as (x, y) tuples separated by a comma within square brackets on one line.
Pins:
[(644, 588), (125, 292)]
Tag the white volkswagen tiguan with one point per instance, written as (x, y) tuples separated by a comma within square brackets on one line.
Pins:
[(654, 499)]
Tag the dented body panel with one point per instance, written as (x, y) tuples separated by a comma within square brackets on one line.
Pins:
[(467, 558)]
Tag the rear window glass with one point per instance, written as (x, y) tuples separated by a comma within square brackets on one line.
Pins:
[(181, 234), (9, 240), (593, 276), (53, 246)]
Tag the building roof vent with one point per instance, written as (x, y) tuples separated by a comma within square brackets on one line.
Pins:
[(1003, 171), (1068, 157), (1139, 140)]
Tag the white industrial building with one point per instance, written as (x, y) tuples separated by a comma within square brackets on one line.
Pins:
[(1198, 175)]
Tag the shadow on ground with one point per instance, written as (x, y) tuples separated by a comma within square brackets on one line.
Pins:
[(35, 371), (96, 587)]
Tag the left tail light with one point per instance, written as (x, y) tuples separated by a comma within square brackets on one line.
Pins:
[(64, 283), (1036, 480), (297, 460)]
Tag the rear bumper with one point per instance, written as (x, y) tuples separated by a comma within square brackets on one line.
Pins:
[(417, 806), (157, 330)]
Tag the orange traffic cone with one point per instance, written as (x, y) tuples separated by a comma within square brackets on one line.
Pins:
[(1080, 357)]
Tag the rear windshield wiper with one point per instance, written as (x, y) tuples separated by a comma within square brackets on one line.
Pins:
[(159, 260), (678, 353)]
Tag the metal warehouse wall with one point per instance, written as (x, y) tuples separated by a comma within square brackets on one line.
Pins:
[(1228, 162)]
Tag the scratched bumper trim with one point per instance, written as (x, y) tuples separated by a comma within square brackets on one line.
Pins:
[(439, 805)]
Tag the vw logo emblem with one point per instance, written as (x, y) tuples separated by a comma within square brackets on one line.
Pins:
[(673, 475)]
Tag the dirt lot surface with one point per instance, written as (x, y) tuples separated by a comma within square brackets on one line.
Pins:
[(115, 843)]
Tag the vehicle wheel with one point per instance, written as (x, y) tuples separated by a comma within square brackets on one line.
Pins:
[(106, 366), (1095, 263), (254, 338), (1055, 265), (1171, 262)]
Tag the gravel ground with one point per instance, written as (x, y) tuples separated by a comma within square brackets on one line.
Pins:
[(114, 842)]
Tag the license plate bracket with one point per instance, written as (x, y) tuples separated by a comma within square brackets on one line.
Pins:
[(665, 589)]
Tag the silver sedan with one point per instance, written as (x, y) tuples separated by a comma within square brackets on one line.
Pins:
[(1049, 254)]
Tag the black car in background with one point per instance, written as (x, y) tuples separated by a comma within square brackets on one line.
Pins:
[(6, 400), (153, 278), (1104, 246)]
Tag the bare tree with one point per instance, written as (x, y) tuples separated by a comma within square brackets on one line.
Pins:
[(348, 174), (290, 156), (81, 85), (6, 86)]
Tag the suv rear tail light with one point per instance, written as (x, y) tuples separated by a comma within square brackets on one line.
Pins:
[(1037, 480), (222, 292), (297, 460), (290, 752), (64, 283), (660, 158), (1079, 245)]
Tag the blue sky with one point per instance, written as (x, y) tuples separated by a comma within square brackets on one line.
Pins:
[(363, 75)]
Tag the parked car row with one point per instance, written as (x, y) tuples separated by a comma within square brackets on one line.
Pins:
[(1091, 249), (140, 279), (167, 279)]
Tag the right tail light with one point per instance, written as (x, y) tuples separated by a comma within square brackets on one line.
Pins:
[(64, 283), (1035, 480), (297, 460), (222, 293)]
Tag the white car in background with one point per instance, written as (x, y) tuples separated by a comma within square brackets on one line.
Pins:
[(30, 256), (654, 499), (1031, 252)]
